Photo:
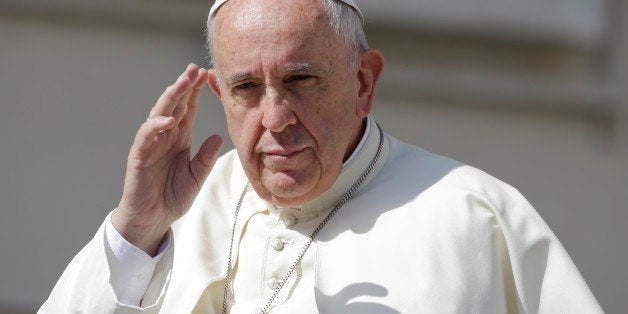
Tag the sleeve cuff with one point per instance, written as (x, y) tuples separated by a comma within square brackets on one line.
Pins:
[(131, 269)]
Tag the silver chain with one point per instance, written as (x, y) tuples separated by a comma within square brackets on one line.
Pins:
[(308, 242), (225, 295)]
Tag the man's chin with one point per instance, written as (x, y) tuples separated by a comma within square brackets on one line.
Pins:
[(285, 190)]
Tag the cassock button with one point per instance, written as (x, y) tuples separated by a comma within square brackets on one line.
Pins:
[(289, 220), (277, 245), (272, 283)]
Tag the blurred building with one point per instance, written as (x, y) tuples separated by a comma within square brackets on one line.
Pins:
[(534, 92)]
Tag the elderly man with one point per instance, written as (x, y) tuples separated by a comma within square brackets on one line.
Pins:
[(317, 210)]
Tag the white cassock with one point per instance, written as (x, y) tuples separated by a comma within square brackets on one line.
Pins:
[(424, 234)]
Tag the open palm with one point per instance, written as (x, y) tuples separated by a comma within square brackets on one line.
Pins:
[(161, 180)]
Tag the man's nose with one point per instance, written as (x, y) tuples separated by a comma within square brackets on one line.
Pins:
[(278, 113)]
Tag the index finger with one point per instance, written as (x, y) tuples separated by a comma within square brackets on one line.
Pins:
[(171, 97), (188, 120)]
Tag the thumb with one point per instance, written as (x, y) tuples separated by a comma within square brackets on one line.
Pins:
[(204, 160)]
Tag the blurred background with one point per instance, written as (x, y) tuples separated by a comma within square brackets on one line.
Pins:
[(534, 92)]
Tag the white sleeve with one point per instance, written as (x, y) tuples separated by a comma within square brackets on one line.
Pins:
[(131, 269)]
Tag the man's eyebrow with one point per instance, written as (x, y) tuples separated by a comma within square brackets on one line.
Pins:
[(304, 67), (298, 68), (238, 77)]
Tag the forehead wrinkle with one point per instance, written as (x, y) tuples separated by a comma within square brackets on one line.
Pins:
[(251, 15)]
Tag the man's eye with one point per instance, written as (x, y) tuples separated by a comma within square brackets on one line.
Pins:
[(299, 78), (244, 86)]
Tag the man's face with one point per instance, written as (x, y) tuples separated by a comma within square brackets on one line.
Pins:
[(290, 95)]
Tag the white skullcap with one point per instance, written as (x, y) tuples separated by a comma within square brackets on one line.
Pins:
[(351, 3)]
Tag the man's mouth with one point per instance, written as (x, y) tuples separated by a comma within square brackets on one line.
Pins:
[(285, 153)]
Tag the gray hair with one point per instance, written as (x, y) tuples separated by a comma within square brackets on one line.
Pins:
[(343, 19)]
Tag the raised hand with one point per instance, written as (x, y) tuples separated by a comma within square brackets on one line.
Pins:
[(161, 181)]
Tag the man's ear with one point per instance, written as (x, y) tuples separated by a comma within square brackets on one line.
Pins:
[(212, 81), (371, 65)]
